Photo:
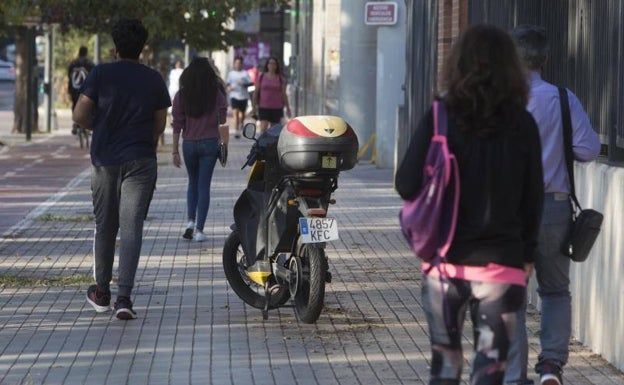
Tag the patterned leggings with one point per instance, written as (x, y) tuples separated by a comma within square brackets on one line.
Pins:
[(492, 310)]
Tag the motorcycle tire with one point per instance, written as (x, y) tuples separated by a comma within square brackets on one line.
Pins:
[(311, 294), (234, 265)]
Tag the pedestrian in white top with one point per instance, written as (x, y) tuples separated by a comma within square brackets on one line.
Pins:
[(174, 78), (237, 82)]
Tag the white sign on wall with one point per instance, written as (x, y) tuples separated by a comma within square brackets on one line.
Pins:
[(380, 13)]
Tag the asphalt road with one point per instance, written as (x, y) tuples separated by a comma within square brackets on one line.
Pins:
[(33, 173)]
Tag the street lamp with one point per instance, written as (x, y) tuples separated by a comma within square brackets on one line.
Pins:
[(187, 49)]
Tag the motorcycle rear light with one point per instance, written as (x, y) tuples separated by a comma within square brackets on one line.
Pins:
[(310, 192), (317, 212)]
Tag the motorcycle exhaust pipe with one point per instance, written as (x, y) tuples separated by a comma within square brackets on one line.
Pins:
[(281, 269), (282, 273)]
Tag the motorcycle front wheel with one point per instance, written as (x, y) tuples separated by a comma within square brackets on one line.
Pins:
[(235, 268), (310, 294)]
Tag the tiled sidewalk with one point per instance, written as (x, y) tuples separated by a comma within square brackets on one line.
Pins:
[(192, 329)]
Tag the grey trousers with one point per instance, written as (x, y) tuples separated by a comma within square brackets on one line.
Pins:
[(121, 198), (552, 271)]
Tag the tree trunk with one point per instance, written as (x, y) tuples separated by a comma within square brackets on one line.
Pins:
[(22, 45)]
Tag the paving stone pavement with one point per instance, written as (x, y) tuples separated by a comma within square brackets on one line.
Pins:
[(191, 327)]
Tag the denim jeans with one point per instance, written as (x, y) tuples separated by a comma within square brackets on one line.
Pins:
[(552, 271), (121, 198), (493, 308), (200, 157)]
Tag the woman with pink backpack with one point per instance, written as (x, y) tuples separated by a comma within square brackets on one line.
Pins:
[(494, 236)]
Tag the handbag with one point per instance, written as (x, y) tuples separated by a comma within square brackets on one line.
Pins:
[(585, 223), (224, 135)]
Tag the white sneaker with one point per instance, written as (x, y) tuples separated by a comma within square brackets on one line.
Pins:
[(199, 237), (550, 379)]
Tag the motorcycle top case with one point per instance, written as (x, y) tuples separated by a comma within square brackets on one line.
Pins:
[(317, 143)]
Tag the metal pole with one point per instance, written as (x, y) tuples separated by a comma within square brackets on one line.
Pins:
[(187, 55), (96, 49), (47, 78), (295, 55), (29, 75)]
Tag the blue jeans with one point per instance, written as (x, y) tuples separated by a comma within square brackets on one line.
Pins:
[(553, 278), (200, 157), (121, 198), (493, 308)]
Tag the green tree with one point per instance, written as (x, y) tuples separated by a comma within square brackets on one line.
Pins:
[(203, 24)]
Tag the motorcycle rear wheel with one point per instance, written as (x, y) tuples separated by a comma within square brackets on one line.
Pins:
[(310, 294), (234, 266)]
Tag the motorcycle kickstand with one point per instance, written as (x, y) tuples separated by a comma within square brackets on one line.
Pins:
[(267, 296)]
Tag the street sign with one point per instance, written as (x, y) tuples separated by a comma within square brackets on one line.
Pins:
[(381, 13)]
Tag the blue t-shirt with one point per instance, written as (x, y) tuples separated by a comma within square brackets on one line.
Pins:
[(126, 95)]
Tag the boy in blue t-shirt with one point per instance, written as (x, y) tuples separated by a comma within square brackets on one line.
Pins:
[(125, 104)]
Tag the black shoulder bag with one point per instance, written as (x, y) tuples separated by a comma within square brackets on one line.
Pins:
[(585, 224)]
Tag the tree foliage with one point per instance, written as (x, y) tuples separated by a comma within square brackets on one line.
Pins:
[(203, 24)]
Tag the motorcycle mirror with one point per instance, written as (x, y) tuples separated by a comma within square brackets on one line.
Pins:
[(249, 130)]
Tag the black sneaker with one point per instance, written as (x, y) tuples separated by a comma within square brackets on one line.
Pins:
[(98, 299), (123, 308), (550, 374), (188, 233)]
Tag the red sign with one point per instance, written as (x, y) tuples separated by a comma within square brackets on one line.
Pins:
[(380, 13)]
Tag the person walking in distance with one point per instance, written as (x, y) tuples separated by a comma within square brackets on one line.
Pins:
[(496, 144), (125, 104), (237, 82), (77, 73), (199, 108), (269, 98), (552, 268), (174, 78)]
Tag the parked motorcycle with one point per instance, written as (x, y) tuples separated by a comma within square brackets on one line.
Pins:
[(276, 250)]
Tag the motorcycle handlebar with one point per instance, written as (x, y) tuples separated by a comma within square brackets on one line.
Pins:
[(252, 156), (267, 138)]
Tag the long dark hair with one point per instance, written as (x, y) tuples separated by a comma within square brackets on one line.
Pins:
[(486, 86), (198, 88)]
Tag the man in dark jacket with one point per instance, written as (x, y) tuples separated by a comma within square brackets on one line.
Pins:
[(77, 73)]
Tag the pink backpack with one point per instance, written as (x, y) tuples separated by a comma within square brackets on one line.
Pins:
[(428, 221)]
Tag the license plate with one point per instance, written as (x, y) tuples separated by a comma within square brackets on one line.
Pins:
[(314, 230), (328, 161)]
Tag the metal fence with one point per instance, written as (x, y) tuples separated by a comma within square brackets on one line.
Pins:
[(587, 56), (420, 82), (586, 39)]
